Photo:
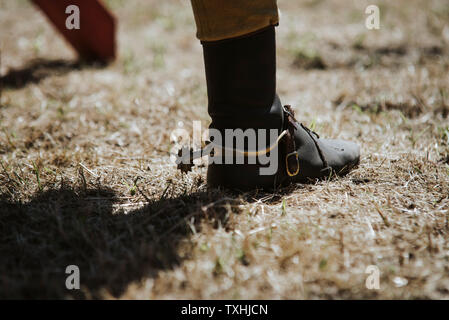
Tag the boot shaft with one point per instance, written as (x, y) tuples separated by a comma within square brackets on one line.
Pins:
[(241, 82)]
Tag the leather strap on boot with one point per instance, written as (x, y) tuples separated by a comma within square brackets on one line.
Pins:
[(289, 152), (290, 149), (289, 145)]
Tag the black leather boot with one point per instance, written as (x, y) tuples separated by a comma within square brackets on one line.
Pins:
[(241, 86)]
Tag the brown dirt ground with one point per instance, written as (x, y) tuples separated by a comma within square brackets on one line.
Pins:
[(85, 177)]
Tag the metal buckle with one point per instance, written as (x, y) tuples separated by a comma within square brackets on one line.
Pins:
[(295, 153), (285, 108)]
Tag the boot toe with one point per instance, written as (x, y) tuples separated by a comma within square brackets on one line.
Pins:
[(341, 155)]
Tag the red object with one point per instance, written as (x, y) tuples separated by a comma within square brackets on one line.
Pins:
[(95, 40)]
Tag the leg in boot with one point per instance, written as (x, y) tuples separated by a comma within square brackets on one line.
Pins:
[(241, 83)]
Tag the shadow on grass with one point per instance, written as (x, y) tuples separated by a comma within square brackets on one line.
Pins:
[(39, 69), (87, 228)]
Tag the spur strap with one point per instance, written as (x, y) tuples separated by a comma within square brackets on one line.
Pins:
[(186, 155)]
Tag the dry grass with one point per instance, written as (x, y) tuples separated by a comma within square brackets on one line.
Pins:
[(85, 177)]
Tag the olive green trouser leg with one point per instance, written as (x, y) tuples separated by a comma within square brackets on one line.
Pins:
[(223, 19)]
